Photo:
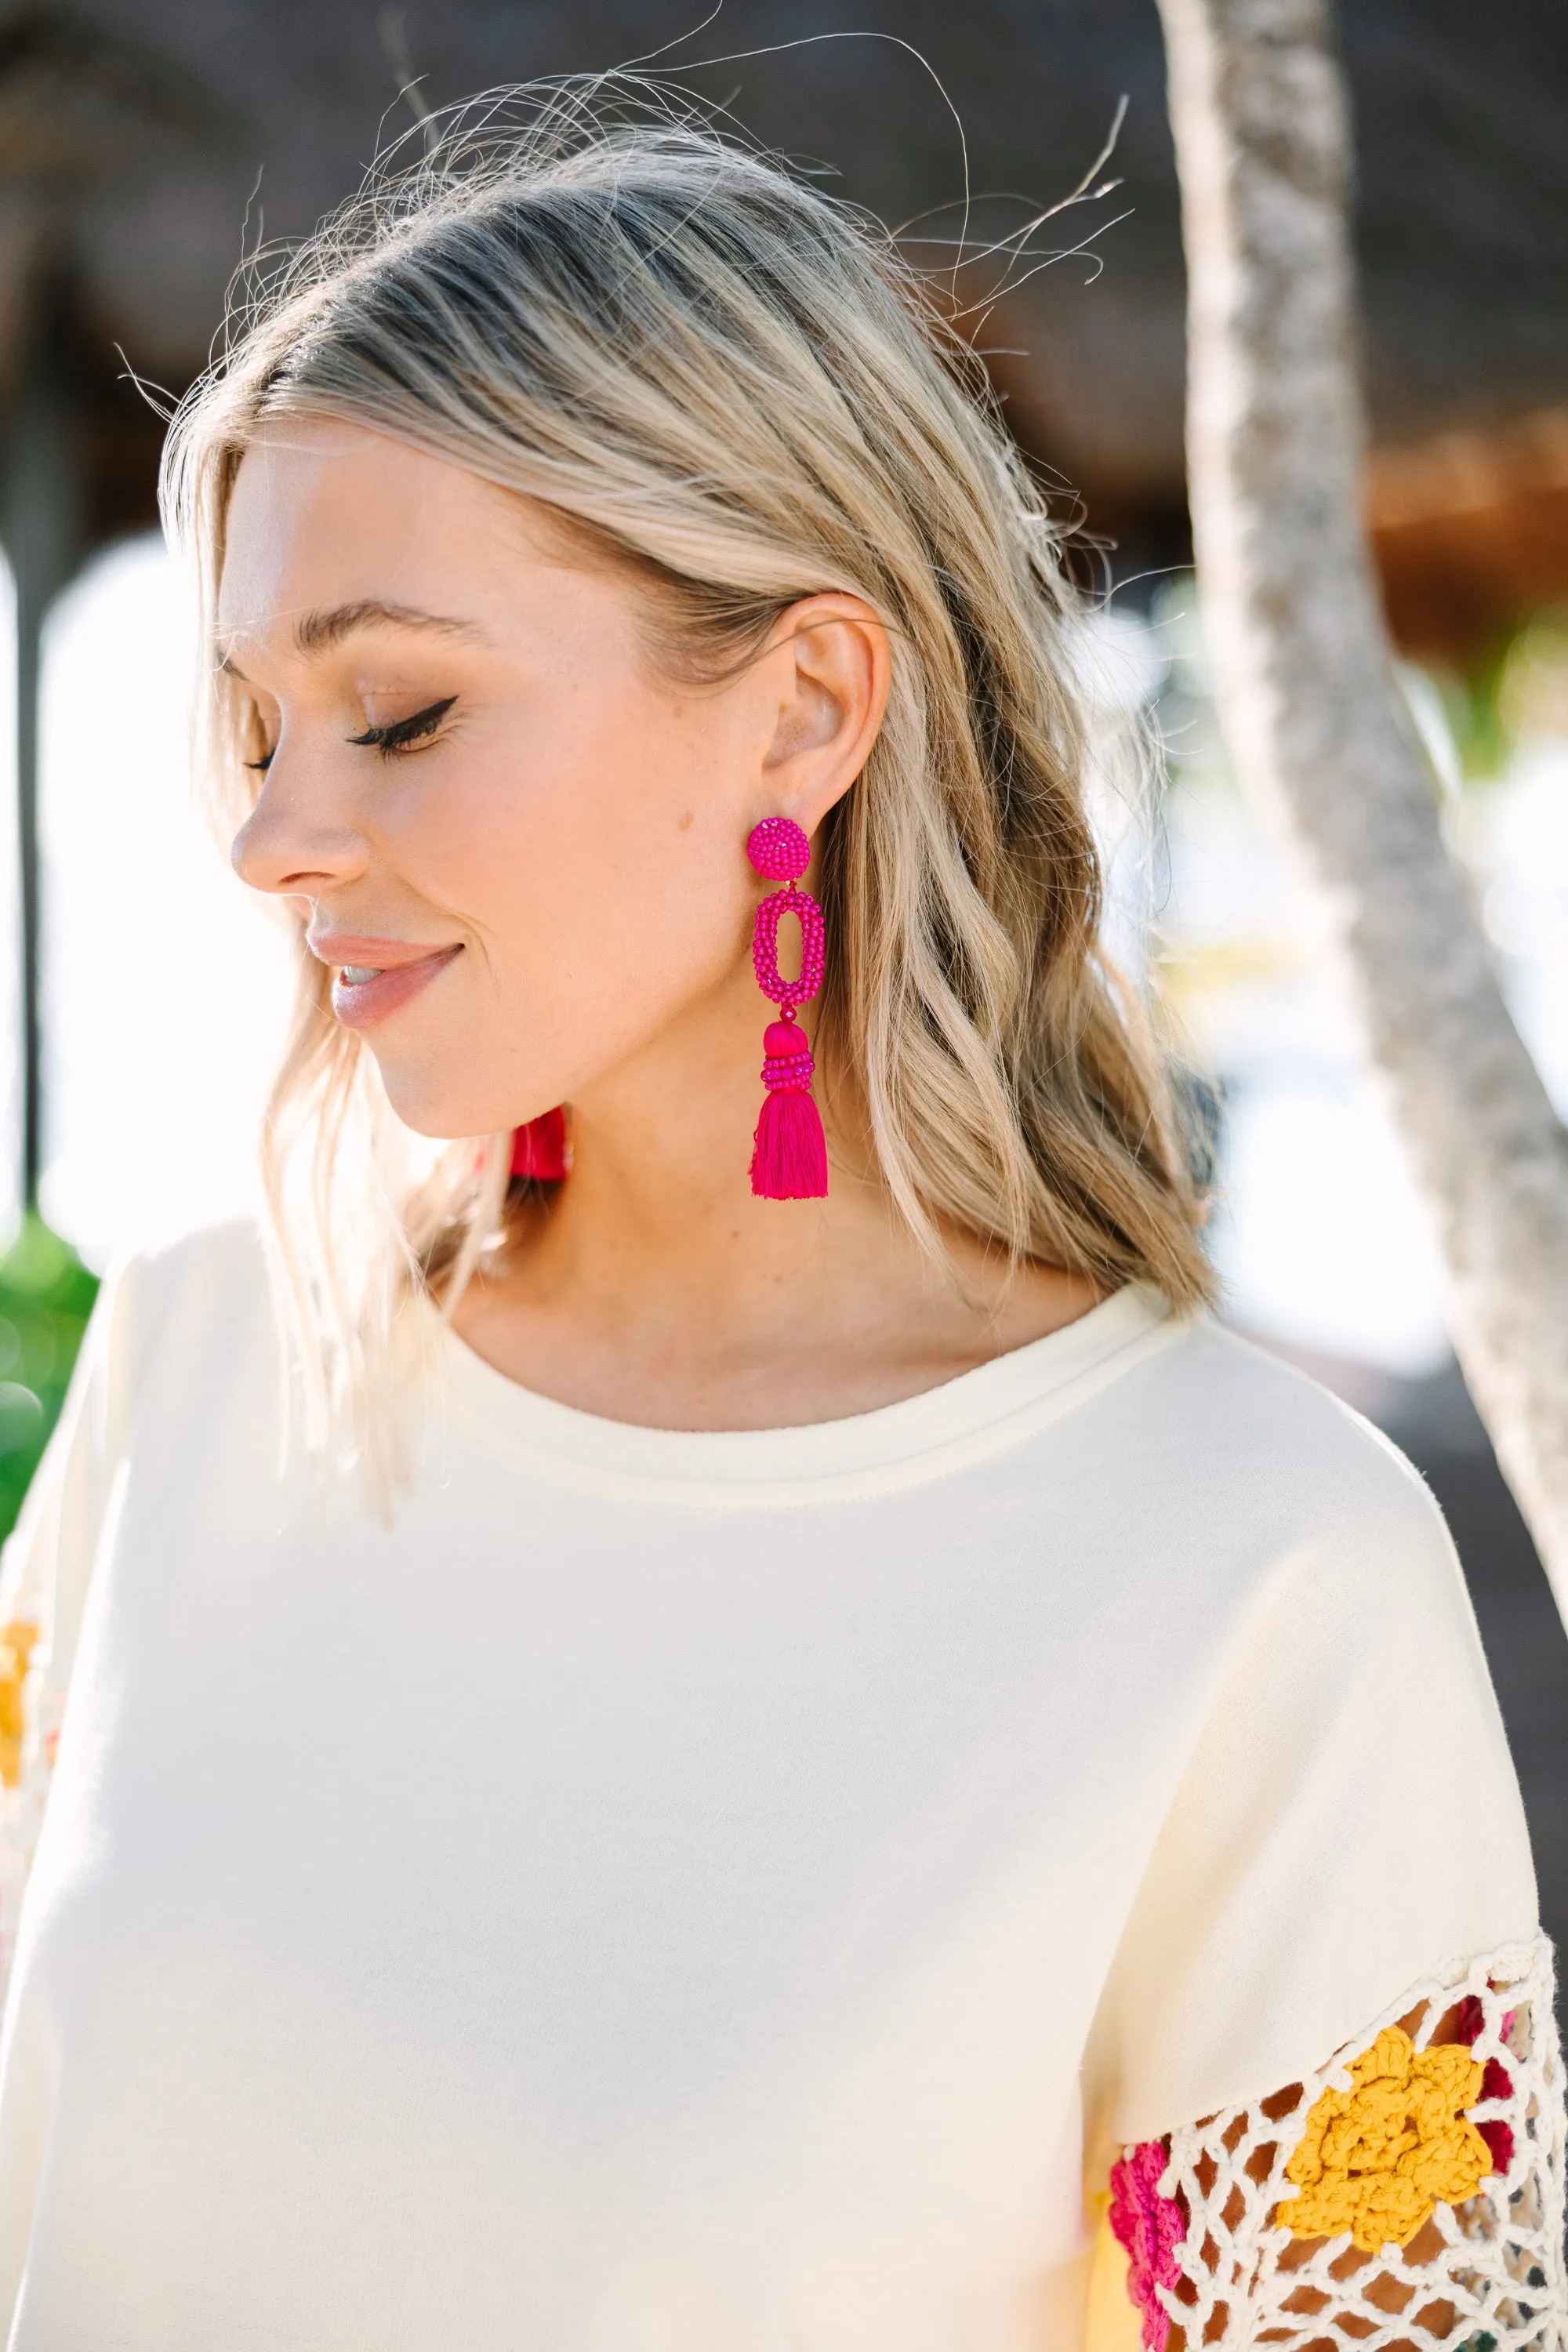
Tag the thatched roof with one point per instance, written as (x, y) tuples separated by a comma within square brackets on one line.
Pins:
[(134, 131)]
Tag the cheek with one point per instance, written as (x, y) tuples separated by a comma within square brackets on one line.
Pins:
[(599, 870)]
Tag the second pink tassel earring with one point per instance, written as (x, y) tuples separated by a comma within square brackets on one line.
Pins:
[(539, 1150), (789, 1159)]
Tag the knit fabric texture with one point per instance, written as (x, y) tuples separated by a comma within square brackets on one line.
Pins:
[(617, 1901)]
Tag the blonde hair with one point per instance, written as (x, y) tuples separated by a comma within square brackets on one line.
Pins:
[(733, 386)]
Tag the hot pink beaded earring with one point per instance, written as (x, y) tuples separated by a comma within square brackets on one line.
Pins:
[(790, 1159), (539, 1149)]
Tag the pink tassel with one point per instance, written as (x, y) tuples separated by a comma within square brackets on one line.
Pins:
[(538, 1151), (789, 1161)]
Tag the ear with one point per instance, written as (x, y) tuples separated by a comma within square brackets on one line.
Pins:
[(828, 666)]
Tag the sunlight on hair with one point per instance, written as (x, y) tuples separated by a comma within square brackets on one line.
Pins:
[(165, 984), (699, 360)]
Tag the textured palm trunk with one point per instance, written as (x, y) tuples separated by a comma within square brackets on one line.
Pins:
[(1309, 708)]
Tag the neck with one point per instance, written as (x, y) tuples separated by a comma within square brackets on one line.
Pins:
[(655, 1288)]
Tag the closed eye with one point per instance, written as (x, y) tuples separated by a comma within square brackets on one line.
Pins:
[(402, 732)]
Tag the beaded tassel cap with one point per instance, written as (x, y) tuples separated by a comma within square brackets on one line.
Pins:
[(789, 1156)]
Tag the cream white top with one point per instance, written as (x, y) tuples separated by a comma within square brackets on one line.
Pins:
[(699, 1893)]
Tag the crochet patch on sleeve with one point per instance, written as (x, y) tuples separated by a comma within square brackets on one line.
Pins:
[(1413, 2187), (30, 1734)]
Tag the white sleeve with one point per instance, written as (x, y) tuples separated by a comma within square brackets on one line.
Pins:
[(1348, 1822), (1326, 2061), (45, 1571)]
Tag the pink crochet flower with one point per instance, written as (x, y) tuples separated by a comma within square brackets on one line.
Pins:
[(1151, 2228), (1497, 2083)]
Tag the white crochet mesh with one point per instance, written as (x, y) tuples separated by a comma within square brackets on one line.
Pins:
[(1486, 2276)]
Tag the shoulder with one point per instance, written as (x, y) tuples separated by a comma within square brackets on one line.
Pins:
[(205, 1275), (230, 1256), (1277, 1481), (180, 1338), (1247, 1419), (189, 1312)]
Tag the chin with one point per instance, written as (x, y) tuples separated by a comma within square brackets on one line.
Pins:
[(439, 1113)]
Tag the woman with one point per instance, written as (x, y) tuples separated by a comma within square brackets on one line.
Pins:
[(691, 1759)]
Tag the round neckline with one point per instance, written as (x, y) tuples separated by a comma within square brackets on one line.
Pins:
[(938, 1430)]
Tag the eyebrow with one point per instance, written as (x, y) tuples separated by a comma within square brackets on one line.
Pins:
[(318, 631)]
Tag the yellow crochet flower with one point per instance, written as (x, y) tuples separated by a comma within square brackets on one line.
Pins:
[(16, 1641), (1375, 2159)]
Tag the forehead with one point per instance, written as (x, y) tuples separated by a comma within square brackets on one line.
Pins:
[(326, 514)]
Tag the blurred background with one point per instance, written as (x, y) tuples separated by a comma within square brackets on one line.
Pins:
[(147, 145)]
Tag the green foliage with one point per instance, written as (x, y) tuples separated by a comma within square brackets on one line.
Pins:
[(1473, 708), (1516, 693), (45, 1297)]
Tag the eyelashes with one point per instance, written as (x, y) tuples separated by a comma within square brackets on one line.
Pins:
[(399, 736), (404, 731)]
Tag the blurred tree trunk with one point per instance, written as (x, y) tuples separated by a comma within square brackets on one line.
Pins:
[(1311, 711)]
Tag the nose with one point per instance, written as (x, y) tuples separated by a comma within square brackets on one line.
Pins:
[(293, 845)]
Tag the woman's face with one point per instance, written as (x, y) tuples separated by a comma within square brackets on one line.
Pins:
[(522, 850)]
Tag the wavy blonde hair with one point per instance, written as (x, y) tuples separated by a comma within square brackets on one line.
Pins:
[(732, 387)]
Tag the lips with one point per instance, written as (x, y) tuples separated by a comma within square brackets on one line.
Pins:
[(365, 993)]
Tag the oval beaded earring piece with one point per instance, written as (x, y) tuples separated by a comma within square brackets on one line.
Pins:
[(789, 1158)]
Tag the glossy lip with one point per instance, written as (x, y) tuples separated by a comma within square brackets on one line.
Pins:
[(402, 968)]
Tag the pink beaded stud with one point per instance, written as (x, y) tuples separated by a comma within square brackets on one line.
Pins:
[(789, 1158), (778, 849)]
